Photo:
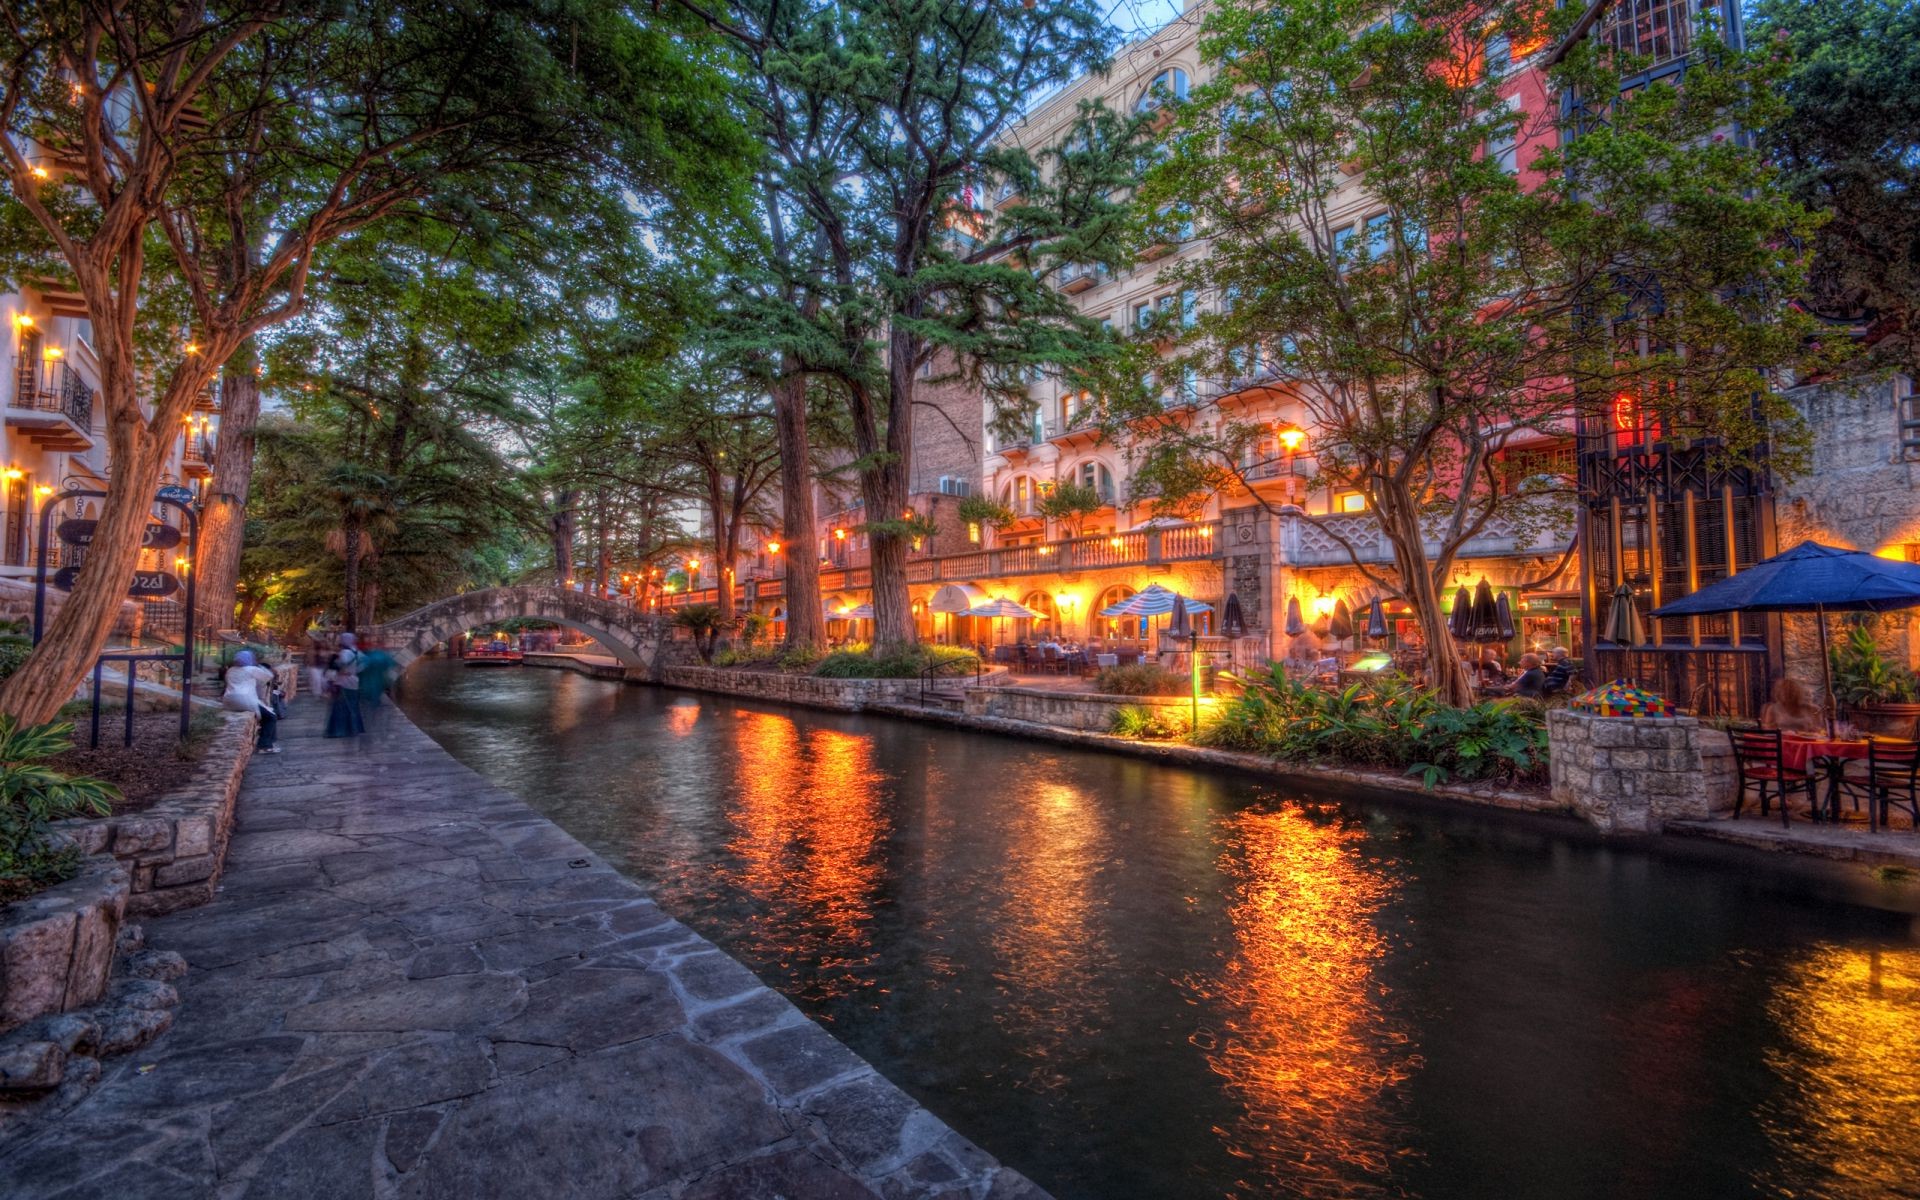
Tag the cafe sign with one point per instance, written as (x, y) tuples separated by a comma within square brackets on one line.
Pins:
[(146, 585), (156, 536)]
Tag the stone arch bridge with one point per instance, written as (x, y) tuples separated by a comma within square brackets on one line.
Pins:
[(632, 637)]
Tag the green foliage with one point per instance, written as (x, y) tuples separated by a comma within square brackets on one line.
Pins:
[(745, 656), (907, 664), (1144, 723), (1862, 675), (1849, 146), (31, 795), (800, 658), (1385, 724), (1070, 504), (1141, 679), (706, 623), (13, 652), (754, 628), (983, 510)]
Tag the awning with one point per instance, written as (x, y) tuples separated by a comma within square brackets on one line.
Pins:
[(957, 598)]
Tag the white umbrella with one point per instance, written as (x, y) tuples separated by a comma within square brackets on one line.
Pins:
[(1002, 607)]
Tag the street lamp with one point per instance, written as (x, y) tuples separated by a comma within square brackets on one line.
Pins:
[(1292, 437)]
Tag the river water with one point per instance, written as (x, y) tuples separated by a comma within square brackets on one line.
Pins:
[(1130, 980)]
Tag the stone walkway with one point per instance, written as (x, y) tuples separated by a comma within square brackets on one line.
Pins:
[(413, 986)]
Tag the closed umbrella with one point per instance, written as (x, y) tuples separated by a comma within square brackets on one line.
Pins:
[(1180, 626), (1460, 621), (1341, 624), (1295, 626), (1623, 619), (1486, 615), (1376, 619), (1810, 578), (1232, 622), (1504, 613)]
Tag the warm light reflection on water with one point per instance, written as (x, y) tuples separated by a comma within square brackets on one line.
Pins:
[(1297, 1030), (1133, 981), (1849, 1054), (807, 823)]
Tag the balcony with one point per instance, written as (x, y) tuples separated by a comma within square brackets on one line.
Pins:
[(1139, 548), (1078, 277), (51, 407), (1313, 543), (196, 457)]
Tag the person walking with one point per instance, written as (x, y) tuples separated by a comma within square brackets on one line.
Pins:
[(376, 675), (317, 658), (343, 714), (250, 689)]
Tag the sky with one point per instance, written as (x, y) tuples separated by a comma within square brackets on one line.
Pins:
[(1135, 17)]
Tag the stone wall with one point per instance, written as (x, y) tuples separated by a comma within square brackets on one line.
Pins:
[(1635, 774), (1088, 711), (1859, 491), (173, 850), (841, 695), (56, 947)]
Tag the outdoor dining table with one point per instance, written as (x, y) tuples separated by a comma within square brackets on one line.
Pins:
[(1828, 756)]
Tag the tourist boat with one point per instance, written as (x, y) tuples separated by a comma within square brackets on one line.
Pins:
[(499, 654)]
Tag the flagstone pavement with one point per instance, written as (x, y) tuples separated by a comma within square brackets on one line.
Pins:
[(412, 986)]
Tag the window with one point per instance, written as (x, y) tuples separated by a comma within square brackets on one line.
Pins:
[(1143, 315), (1379, 242), (1655, 29), (1505, 150), (1342, 244), (1099, 478), (1349, 502), (1499, 55), (953, 485), (1908, 404), (1168, 85)]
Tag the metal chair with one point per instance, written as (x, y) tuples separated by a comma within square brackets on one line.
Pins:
[(1760, 763), (1892, 778)]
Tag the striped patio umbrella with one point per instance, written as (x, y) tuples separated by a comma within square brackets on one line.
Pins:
[(1152, 601), (1002, 608), (859, 612)]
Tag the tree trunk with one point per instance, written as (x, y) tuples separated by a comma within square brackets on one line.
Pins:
[(73, 638), (1400, 521), (884, 486), (223, 523), (350, 554), (601, 557), (560, 528), (806, 619)]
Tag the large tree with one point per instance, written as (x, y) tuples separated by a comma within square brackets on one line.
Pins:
[(218, 149), (886, 121), (1480, 292), (1849, 140)]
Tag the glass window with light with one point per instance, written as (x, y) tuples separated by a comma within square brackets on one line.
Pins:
[(1350, 502)]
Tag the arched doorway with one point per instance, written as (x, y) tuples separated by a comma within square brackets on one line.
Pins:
[(1047, 624), (1129, 628)]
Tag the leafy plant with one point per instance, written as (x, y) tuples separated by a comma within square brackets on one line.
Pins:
[(31, 795), (799, 658), (1141, 679), (908, 664), (1070, 504), (1139, 721), (1864, 676), (13, 652), (705, 623), (982, 510)]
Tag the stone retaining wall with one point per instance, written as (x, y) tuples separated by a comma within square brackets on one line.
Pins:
[(1090, 711), (841, 695), (56, 947), (174, 849), (1635, 774)]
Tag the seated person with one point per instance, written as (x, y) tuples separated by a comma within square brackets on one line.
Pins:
[(1490, 671), (1560, 673), (1790, 711), (1532, 683)]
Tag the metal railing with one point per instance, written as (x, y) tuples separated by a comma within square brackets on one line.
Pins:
[(47, 387)]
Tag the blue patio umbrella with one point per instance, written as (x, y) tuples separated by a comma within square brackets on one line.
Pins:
[(1152, 601), (1810, 578)]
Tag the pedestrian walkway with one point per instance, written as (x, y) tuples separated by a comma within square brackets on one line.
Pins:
[(411, 985)]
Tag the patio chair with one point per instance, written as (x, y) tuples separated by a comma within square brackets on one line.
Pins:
[(1758, 759), (1892, 778), (1049, 660)]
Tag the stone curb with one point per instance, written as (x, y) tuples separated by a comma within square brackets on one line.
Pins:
[(175, 849), (56, 946)]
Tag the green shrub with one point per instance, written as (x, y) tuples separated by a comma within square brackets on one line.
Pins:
[(13, 652), (32, 794), (799, 658), (1384, 723), (861, 664), (1142, 679), (1147, 724)]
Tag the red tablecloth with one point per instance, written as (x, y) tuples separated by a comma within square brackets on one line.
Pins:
[(1798, 752)]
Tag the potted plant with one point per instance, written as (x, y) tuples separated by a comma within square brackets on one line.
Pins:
[(1879, 695)]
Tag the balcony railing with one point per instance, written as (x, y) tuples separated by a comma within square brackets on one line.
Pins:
[(47, 387), (1140, 547), (1314, 544)]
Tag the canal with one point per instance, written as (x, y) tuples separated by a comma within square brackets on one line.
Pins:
[(1130, 980)]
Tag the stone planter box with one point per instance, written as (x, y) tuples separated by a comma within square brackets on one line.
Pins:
[(174, 850), (1635, 774), (1088, 711), (56, 948)]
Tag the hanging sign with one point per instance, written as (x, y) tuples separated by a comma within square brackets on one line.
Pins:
[(157, 536), (146, 585), (175, 493)]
